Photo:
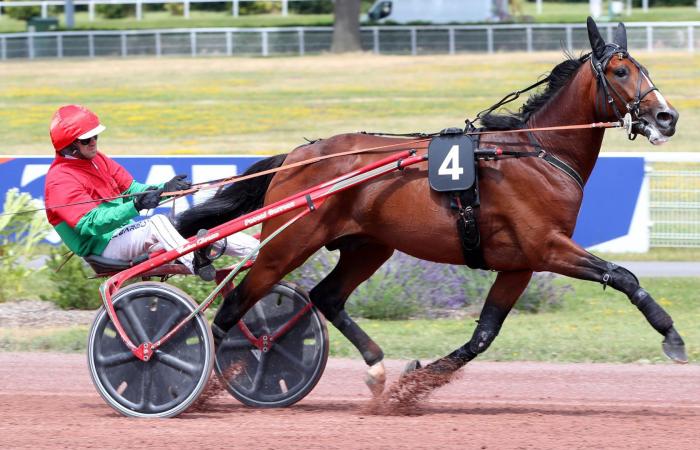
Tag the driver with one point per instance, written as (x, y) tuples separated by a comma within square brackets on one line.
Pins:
[(81, 174)]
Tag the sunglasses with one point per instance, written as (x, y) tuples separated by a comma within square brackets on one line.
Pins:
[(88, 140)]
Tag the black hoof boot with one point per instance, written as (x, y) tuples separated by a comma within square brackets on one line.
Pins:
[(219, 336), (674, 347), (411, 367), (202, 265)]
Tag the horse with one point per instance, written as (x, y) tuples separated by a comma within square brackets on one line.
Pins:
[(527, 213)]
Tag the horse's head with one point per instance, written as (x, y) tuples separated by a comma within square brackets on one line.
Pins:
[(624, 86)]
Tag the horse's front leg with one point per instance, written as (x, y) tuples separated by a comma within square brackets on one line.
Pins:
[(503, 294), (567, 258), (416, 384)]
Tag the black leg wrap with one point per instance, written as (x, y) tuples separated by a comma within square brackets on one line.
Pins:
[(218, 334), (655, 314), (229, 313), (489, 326), (370, 351), (619, 278), (462, 355)]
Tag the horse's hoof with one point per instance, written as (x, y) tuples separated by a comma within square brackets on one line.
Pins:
[(375, 378), (411, 367), (674, 347)]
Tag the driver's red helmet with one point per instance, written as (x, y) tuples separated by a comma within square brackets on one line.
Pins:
[(73, 122)]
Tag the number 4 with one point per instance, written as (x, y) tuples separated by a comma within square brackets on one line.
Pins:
[(452, 159)]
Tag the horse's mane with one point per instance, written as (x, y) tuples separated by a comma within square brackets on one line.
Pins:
[(558, 77)]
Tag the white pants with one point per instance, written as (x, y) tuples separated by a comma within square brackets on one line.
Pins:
[(157, 233)]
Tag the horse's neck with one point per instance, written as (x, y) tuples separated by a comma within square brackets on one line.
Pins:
[(574, 104)]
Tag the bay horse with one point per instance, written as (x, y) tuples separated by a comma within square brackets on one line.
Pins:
[(526, 219)]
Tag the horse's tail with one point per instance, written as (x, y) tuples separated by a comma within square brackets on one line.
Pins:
[(239, 198)]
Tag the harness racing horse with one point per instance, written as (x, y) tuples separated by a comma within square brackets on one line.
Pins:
[(526, 218)]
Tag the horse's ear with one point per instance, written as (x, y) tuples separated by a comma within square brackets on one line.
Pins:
[(620, 36), (597, 42)]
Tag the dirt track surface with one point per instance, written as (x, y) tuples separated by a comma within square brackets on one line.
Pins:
[(48, 401)]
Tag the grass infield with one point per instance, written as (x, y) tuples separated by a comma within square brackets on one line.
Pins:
[(592, 326), (269, 105)]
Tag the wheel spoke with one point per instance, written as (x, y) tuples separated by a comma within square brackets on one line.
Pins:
[(176, 363), (115, 359), (147, 387), (135, 323), (238, 343), (259, 372), (167, 325), (296, 362), (260, 312)]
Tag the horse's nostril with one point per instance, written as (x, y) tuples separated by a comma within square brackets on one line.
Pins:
[(665, 118)]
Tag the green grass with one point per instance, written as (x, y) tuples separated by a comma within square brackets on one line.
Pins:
[(265, 106), (163, 19), (593, 325), (576, 12), (67, 339)]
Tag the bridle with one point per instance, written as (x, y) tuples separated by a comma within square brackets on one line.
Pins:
[(608, 93)]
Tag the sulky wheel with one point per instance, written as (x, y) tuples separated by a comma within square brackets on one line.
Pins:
[(175, 376), (277, 353)]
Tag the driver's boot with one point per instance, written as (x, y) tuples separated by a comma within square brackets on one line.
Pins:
[(202, 264)]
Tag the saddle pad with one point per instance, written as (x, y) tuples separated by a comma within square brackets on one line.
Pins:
[(451, 163)]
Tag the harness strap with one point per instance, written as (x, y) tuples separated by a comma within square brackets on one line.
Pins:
[(508, 98), (554, 161), (468, 229), (564, 167)]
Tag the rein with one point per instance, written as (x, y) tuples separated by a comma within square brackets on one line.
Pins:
[(510, 97), (604, 84), (224, 181), (624, 121), (217, 183)]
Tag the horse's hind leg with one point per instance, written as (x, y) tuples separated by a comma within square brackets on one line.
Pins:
[(359, 259), (274, 262), (567, 258)]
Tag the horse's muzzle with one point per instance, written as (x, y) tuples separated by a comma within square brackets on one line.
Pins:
[(658, 125)]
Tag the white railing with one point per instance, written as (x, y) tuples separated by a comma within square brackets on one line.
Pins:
[(674, 206), (673, 202), (44, 4), (414, 40)]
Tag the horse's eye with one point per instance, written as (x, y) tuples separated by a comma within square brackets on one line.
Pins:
[(621, 72)]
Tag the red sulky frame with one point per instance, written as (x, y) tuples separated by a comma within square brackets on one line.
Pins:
[(309, 199)]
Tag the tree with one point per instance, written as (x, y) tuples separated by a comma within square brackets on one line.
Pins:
[(346, 26)]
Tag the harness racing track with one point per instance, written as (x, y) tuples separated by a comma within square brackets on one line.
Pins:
[(48, 401)]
